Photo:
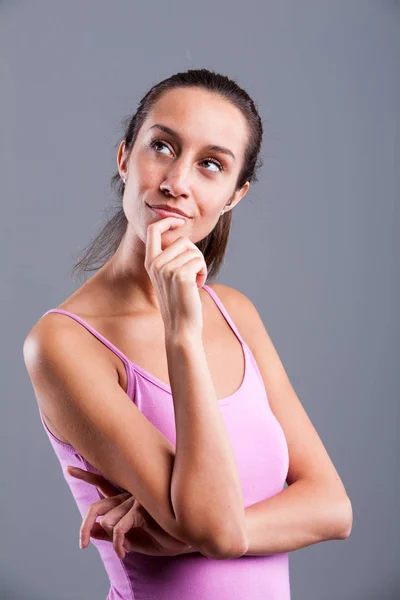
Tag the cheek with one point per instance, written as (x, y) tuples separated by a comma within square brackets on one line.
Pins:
[(149, 173), (149, 164), (206, 218), (144, 170), (210, 205), (143, 187)]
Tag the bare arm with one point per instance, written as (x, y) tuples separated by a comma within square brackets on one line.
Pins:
[(315, 506), (77, 388), (205, 488), (306, 512)]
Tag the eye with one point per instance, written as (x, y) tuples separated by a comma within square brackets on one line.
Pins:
[(219, 166), (153, 143), (214, 162)]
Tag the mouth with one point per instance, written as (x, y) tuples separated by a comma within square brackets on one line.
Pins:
[(168, 211)]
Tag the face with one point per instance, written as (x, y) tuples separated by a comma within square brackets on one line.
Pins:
[(173, 152)]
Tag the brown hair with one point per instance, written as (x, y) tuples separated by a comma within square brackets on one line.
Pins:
[(213, 246)]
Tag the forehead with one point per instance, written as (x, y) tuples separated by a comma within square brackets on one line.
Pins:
[(201, 117)]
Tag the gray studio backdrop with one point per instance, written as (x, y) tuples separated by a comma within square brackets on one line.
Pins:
[(314, 244)]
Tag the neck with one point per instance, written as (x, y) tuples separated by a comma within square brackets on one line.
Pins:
[(127, 278)]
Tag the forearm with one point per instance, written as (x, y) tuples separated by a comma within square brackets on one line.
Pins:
[(206, 492), (304, 513)]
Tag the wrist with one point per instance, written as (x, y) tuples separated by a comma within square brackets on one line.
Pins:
[(182, 339)]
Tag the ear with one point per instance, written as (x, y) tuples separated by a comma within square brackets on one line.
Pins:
[(122, 160), (238, 195)]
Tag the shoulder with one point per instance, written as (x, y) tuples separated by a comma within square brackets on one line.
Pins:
[(53, 337), (50, 327), (41, 343), (45, 331), (242, 311), (231, 297)]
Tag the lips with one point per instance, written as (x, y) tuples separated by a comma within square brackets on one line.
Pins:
[(165, 211)]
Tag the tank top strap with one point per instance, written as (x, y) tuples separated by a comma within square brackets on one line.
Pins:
[(92, 330), (224, 312)]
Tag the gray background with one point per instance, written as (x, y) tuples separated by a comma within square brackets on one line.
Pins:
[(314, 244)]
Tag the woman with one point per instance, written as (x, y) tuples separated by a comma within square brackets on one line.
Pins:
[(191, 439)]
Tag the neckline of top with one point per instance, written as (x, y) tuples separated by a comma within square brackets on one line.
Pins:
[(167, 388), (149, 376)]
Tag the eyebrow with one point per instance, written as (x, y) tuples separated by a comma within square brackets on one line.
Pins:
[(211, 147)]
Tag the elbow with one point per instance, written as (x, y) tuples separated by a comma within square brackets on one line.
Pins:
[(347, 520), (215, 536), (235, 549), (340, 521), (224, 549), (221, 545)]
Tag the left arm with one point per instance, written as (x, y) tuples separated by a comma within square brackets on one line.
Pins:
[(296, 517), (315, 506), (304, 513)]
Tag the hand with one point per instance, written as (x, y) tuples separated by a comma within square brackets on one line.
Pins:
[(177, 274), (125, 522)]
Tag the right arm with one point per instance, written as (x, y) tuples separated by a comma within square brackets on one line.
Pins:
[(77, 388), (205, 486)]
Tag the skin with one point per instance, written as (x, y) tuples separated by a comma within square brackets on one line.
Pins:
[(288, 520), (185, 168), (195, 185), (124, 522)]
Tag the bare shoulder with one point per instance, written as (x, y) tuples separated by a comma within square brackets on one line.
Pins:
[(46, 329), (44, 351), (54, 328), (53, 334), (242, 311)]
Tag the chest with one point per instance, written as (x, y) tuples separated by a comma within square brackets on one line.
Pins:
[(143, 343)]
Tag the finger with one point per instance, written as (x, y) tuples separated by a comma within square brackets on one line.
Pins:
[(115, 514), (95, 510), (178, 246), (130, 520), (98, 533), (106, 488), (176, 262), (153, 236), (195, 265)]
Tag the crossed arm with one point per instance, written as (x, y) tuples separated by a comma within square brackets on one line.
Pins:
[(315, 506), (304, 513)]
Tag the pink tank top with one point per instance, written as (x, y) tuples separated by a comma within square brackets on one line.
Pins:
[(262, 457)]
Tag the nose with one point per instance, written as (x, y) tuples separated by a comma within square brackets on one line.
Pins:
[(176, 181)]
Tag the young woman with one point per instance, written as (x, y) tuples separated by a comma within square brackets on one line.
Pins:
[(164, 393)]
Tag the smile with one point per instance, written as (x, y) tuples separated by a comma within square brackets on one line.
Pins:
[(166, 212)]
